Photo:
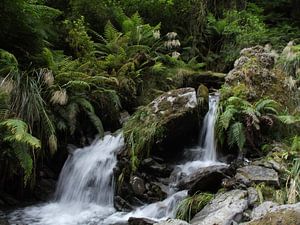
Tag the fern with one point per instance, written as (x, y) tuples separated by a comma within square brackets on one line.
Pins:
[(236, 135), (111, 33), (25, 161), (18, 132), (288, 119), (267, 106)]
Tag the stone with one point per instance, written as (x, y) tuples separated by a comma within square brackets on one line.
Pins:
[(252, 196), (152, 167), (257, 174), (140, 221), (172, 222), (122, 205), (262, 209), (255, 70), (225, 209), (137, 185), (272, 214), (4, 222), (205, 179)]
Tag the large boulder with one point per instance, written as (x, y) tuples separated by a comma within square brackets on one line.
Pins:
[(273, 214), (257, 174), (256, 69), (225, 209), (204, 179), (163, 126)]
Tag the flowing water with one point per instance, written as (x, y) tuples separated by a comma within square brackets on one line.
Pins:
[(85, 189)]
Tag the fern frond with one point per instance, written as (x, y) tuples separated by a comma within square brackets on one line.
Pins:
[(18, 132), (236, 135), (267, 106), (25, 161), (111, 33), (227, 116), (288, 119)]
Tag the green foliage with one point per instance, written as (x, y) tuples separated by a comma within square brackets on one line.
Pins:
[(235, 30), (238, 120), (141, 132), (188, 207), (15, 133)]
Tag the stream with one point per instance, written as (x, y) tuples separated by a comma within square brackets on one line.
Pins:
[(85, 189)]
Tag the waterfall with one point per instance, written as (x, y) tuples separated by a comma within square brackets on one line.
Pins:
[(204, 153), (85, 190), (208, 131), (87, 176)]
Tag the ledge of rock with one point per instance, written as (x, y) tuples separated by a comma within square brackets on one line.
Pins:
[(257, 174), (204, 179), (225, 209), (208, 78)]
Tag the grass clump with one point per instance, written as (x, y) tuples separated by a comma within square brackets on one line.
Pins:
[(141, 131), (192, 205)]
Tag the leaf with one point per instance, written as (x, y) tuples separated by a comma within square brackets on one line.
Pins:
[(237, 135)]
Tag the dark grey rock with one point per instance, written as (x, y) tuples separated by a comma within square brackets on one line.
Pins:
[(205, 179), (122, 205), (257, 174), (140, 221), (138, 185)]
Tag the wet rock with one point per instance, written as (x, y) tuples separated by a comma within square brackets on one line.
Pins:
[(45, 189), (122, 205), (8, 199), (172, 222), (205, 179), (257, 174), (155, 192), (225, 209), (137, 185), (152, 167), (140, 221), (4, 222)]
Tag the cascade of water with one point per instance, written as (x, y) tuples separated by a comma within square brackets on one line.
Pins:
[(208, 131), (205, 153), (87, 175), (85, 188)]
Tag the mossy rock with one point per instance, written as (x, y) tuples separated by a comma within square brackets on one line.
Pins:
[(257, 71), (163, 126)]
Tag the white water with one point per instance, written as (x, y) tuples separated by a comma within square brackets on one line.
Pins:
[(85, 190), (205, 153)]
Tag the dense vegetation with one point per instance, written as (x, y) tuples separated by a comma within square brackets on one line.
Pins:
[(68, 68)]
